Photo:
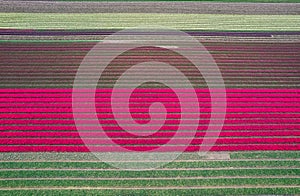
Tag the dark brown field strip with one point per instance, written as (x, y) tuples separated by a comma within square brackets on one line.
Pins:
[(86, 46), (242, 65), (102, 33), (148, 7)]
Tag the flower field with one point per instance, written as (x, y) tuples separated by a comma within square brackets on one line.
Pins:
[(253, 142)]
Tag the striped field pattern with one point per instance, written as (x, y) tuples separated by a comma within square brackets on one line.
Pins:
[(42, 151)]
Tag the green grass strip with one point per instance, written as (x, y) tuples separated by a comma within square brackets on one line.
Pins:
[(152, 183), (126, 20), (222, 164), (189, 192), (266, 155), (196, 164), (146, 174)]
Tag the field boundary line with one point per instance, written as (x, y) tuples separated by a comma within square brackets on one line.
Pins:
[(151, 178)]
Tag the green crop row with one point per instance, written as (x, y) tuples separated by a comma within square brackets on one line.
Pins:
[(190, 192), (266, 155), (144, 174), (194, 164), (152, 183)]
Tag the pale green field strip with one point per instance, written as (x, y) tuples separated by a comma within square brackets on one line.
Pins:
[(48, 156), (127, 20)]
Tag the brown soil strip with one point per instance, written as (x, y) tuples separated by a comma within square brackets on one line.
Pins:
[(273, 39)]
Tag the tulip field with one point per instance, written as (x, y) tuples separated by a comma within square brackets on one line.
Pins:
[(246, 140)]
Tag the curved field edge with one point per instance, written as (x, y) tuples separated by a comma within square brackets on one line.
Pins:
[(221, 22)]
